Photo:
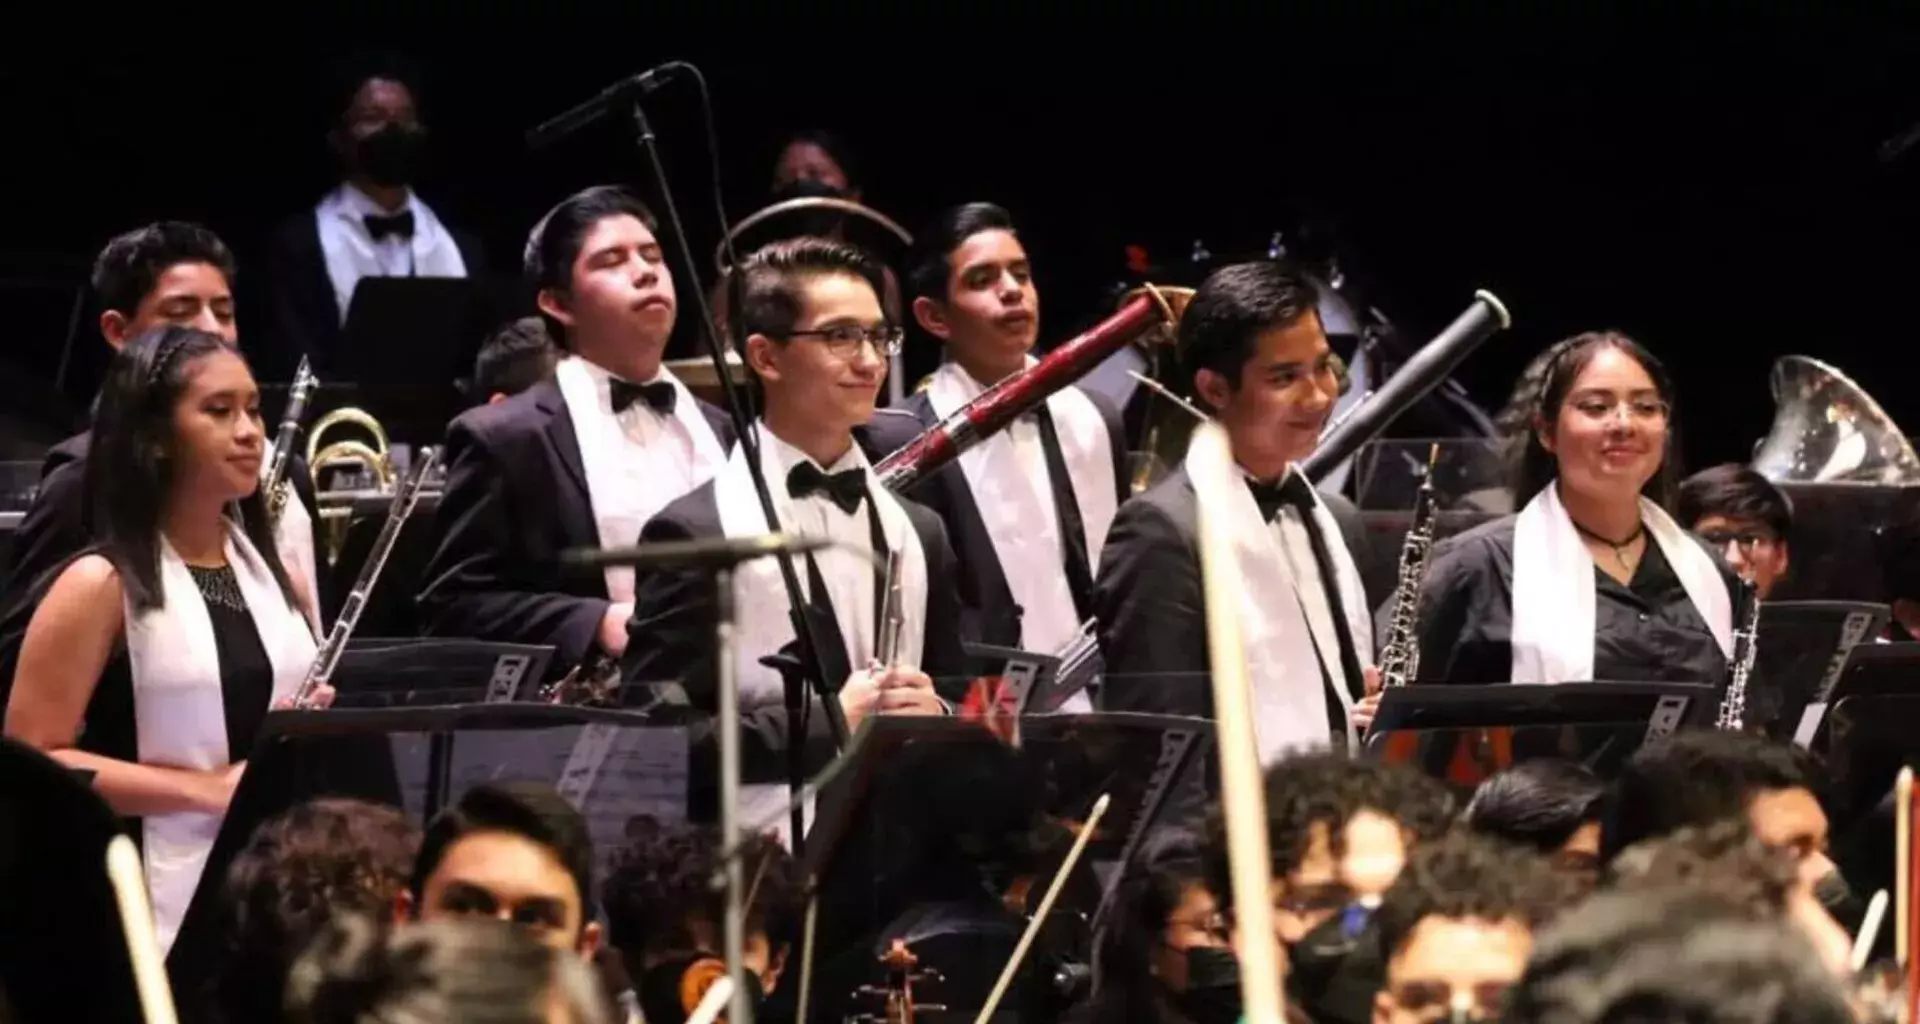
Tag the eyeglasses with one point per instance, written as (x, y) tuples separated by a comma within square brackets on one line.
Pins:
[(1640, 409), (845, 340), (1746, 540)]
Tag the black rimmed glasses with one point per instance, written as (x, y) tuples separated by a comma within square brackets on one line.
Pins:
[(845, 340)]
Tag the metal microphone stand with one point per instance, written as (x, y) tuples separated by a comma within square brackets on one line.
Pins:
[(809, 644), (726, 674)]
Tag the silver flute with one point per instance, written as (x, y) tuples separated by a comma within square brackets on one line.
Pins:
[(328, 657), (1400, 657), (893, 614), (1746, 644)]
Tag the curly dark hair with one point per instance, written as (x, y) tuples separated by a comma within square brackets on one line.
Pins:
[(662, 883), (1699, 777), (299, 870), (1724, 859), (1467, 876), (1330, 788)]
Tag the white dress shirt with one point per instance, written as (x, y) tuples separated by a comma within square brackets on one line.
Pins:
[(849, 574), (352, 253)]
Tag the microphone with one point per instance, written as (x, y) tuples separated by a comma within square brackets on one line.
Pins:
[(564, 124), (717, 552)]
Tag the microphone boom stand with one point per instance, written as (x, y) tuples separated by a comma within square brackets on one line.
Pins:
[(809, 644)]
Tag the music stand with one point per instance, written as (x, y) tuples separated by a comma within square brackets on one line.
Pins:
[(1803, 648), (409, 341), (378, 672), (62, 954), (1028, 677), (616, 766), (1600, 723), (913, 835), (1874, 673)]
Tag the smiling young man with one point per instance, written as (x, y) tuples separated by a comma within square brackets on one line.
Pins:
[(1028, 508), (817, 342), (1252, 345), (581, 459)]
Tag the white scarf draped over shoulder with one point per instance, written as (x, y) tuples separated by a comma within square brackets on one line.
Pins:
[(1553, 589)]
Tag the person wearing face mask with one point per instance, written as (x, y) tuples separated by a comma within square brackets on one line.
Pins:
[(372, 224), (666, 919), (1457, 926), (1338, 832), (1593, 579)]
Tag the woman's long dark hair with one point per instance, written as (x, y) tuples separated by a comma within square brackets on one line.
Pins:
[(1532, 467), (1151, 892), (130, 461)]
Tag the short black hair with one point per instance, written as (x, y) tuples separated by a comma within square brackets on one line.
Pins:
[(1538, 804), (663, 880), (514, 358), (927, 266), (1329, 788), (1234, 306), (1736, 492), (1467, 876), (775, 274), (1532, 467), (1672, 958), (554, 243), (347, 75), (1698, 777), (130, 265), (530, 810), (1724, 859), (830, 144)]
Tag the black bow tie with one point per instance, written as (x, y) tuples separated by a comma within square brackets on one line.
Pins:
[(658, 395), (400, 224), (1290, 489), (847, 488)]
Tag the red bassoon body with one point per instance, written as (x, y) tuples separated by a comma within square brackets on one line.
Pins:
[(1008, 400)]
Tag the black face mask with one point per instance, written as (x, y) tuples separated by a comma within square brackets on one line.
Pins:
[(659, 991), (1212, 995), (1834, 894), (1319, 953), (391, 156)]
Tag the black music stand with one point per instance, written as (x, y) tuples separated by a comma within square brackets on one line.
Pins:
[(1804, 645), (618, 767), (378, 672), (1877, 689), (1598, 723), (409, 341), (62, 954), (930, 818), (1032, 679)]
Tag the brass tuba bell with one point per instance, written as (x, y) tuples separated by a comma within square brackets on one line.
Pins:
[(1168, 427), (1827, 429), (372, 455)]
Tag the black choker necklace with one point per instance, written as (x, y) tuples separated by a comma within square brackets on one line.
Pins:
[(1619, 546)]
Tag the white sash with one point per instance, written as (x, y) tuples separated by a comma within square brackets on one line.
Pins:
[(625, 495), (1285, 624), (761, 608), (293, 538), (1553, 589), (1016, 504), (179, 714)]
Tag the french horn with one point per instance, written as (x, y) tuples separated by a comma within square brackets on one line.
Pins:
[(1827, 429), (372, 455)]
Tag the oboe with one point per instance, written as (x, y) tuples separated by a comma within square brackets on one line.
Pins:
[(325, 660), (1746, 643), (275, 484), (1400, 658)]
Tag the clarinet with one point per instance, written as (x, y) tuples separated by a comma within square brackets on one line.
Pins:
[(1746, 644), (328, 657), (1400, 658), (274, 484)]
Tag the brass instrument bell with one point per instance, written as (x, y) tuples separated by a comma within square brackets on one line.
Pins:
[(373, 456), (1827, 429)]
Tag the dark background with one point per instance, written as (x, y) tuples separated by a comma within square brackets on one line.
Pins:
[(1707, 180)]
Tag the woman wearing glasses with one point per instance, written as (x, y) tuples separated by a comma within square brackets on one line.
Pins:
[(1029, 508), (1593, 579)]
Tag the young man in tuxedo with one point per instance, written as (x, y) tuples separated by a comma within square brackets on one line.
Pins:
[(373, 224), (168, 272), (581, 459), (1252, 346), (1028, 509), (817, 342)]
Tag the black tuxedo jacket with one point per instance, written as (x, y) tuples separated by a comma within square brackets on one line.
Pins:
[(946, 492), (516, 497), (1151, 603), (56, 528), (671, 634), (305, 316)]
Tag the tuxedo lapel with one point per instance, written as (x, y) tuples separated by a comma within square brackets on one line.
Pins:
[(563, 447)]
